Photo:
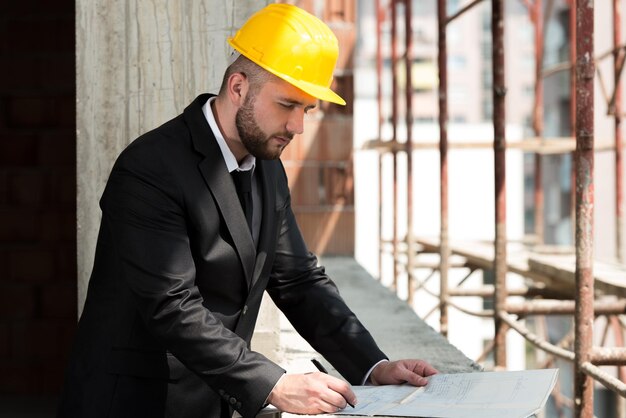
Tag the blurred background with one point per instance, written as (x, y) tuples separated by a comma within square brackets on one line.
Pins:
[(405, 179)]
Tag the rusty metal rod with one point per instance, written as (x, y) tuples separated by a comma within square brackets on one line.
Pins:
[(482, 314), (536, 17), (408, 59), (488, 349), (620, 404), (534, 339), (604, 378), (486, 291), (499, 149), (567, 65), (444, 248), (618, 54), (572, 78), (584, 165), (619, 66), (394, 139), (608, 356), (461, 11), (563, 307), (486, 313), (565, 342), (379, 102), (546, 145), (603, 89), (421, 283)]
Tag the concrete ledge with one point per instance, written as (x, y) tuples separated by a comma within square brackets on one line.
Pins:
[(398, 330)]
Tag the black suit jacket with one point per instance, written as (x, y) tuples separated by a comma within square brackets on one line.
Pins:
[(177, 283)]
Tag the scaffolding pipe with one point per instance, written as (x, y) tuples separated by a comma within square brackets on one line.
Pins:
[(585, 70), (394, 139), (620, 67), (408, 59), (535, 339), (618, 54), (487, 313), (572, 83), (462, 10), (536, 16), (565, 342), (603, 377), (615, 356), (564, 307), (444, 248), (379, 102), (562, 66), (620, 404), (422, 283), (499, 148), (486, 291)]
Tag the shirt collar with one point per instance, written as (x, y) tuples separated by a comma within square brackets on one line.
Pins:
[(248, 163)]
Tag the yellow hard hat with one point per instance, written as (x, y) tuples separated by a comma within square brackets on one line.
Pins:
[(293, 45)]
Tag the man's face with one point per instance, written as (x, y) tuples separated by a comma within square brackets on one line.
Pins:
[(268, 120)]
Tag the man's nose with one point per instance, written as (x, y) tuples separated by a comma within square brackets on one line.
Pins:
[(295, 124)]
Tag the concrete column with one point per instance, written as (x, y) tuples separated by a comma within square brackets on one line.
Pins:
[(138, 64)]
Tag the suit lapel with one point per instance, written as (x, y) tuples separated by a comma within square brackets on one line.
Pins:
[(213, 169), (268, 224)]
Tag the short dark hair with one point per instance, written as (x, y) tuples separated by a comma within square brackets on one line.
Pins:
[(256, 75)]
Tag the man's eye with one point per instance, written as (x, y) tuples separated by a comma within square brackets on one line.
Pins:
[(287, 105)]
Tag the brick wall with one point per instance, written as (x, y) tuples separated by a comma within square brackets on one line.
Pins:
[(37, 194), (319, 162)]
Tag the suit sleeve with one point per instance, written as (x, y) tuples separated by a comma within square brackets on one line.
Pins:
[(312, 303), (144, 211)]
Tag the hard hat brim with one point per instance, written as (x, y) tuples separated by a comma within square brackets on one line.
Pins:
[(315, 90), (322, 93)]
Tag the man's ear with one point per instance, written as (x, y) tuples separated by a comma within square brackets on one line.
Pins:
[(237, 88)]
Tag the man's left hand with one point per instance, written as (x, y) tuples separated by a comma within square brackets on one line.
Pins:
[(398, 372)]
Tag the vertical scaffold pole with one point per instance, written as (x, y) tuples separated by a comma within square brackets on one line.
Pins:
[(444, 249), (572, 82), (617, 109), (394, 139), (408, 59), (499, 148), (584, 313), (536, 13), (379, 101)]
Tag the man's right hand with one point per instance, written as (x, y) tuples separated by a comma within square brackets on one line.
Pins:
[(311, 393)]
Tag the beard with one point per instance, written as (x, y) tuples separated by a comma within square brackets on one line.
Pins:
[(252, 136)]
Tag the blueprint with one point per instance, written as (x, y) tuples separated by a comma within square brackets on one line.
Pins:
[(514, 394)]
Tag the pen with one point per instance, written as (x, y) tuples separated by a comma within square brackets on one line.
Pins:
[(322, 369)]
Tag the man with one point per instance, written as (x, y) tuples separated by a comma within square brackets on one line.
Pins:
[(182, 262)]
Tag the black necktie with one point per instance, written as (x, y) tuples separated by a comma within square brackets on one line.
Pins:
[(243, 184)]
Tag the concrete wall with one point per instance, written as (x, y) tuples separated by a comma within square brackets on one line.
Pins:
[(138, 64)]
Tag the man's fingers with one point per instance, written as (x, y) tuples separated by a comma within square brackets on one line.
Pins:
[(343, 389), (402, 374), (328, 407), (429, 370), (424, 369), (416, 380)]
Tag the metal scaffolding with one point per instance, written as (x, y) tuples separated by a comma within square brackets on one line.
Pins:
[(560, 284)]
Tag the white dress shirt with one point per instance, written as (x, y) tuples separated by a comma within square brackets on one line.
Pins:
[(247, 164)]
